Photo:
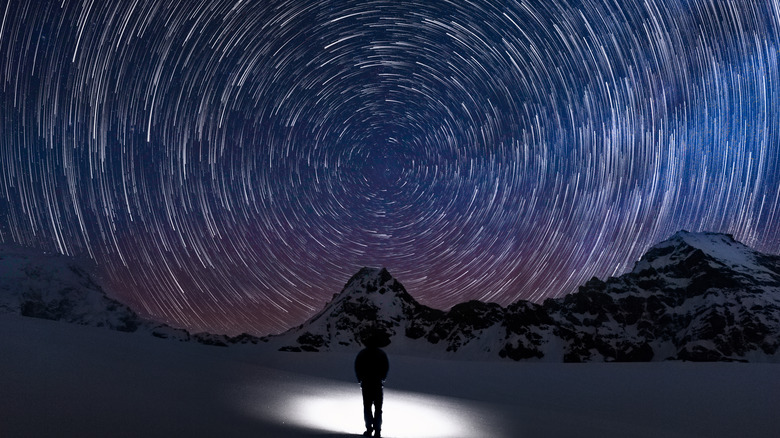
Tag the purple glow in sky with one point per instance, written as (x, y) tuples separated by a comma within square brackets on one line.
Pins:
[(230, 164)]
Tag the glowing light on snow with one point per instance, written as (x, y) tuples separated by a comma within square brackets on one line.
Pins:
[(338, 408), (404, 414)]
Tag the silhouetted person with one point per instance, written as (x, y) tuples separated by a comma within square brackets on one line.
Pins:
[(371, 367)]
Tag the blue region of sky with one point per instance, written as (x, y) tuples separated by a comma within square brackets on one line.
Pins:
[(229, 165)]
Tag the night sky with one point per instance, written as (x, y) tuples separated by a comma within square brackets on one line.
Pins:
[(228, 165)]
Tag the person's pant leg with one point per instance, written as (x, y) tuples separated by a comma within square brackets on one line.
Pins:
[(368, 400), (378, 400), (372, 395)]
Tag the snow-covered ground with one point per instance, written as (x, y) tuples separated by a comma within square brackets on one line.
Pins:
[(59, 379)]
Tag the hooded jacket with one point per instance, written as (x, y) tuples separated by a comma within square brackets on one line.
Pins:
[(371, 366)]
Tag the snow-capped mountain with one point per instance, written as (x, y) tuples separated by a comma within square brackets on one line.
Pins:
[(61, 288), (371, 301), (695, 296), (55, 287)]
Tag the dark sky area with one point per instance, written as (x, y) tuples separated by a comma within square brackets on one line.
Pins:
[(228, 165)]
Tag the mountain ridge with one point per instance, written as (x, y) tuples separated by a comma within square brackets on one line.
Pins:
[(694, 296)]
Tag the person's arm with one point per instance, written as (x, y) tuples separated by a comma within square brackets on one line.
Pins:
[(359, 369)]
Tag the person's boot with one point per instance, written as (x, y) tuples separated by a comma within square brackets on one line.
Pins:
[(377, 433), (368, 432)]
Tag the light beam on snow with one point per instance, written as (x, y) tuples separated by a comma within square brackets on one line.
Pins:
[(405, 414), (338, 408)]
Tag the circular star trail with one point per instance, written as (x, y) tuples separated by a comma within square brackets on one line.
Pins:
[(230, 164)]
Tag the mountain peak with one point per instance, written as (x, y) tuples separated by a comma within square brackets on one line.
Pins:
[(372, 300), (682, 244), (376, 285), (366, 275), (691, 254), (706, 241)]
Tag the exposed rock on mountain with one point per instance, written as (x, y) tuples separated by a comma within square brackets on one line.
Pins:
[(695, 296), (372, 300)]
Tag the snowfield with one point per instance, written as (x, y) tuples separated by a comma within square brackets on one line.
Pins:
[(64, 380)]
